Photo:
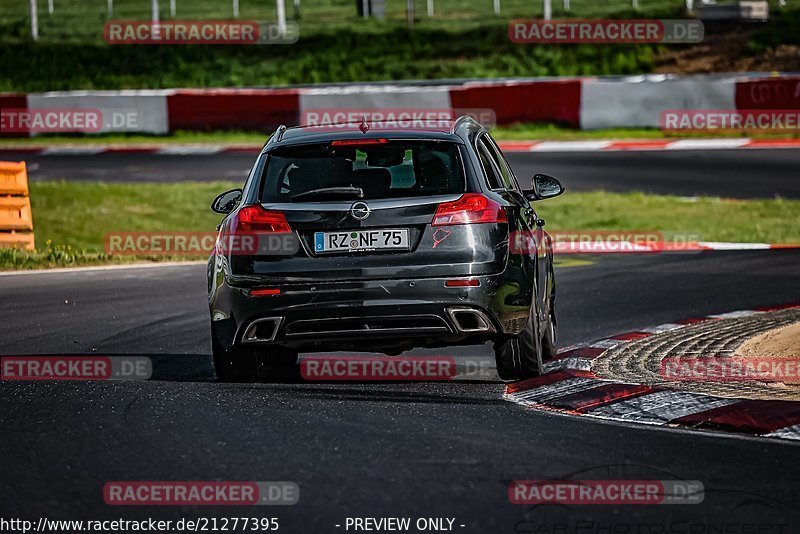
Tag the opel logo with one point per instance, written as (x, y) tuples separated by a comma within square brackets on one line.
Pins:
[(359, 211)]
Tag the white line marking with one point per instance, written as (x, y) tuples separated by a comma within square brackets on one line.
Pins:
[(717, 245), (706, 144), (789, 432), (71, 151), (569, 146), (189, 151), (103, 268), (607, 343), (659, 407), (572, 362), (571, 347), (734, 314), (555, 390), (666, 327)]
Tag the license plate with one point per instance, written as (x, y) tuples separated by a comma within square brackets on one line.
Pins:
[(361, 240)]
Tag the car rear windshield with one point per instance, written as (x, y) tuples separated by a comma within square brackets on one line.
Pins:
[(314, 173)]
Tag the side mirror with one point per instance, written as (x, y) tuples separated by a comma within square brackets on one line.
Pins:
[(226, 201), (544, 186)]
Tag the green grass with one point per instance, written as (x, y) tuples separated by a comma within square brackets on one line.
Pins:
[(464, 39), (72, 218), (715, 219), (81, 213), (82, 20)]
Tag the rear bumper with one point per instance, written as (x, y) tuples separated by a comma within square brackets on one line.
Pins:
[(379, 313)]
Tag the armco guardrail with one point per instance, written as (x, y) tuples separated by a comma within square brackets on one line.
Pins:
[(16, 219), (587, 103)]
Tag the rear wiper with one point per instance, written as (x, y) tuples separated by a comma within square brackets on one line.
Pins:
[(331, 191)]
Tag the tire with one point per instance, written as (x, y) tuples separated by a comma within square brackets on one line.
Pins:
[(550, 336), (234, 365), (520, 356)]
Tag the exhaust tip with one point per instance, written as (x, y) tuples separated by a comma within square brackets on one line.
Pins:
[(469, 321), (262, 330)]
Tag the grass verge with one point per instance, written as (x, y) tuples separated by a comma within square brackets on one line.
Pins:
[(72, 218), (463, 39)]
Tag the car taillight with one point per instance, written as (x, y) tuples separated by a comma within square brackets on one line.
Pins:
[(471, 208), (265, 292), (258, 220), (462, 282), (358, 142)]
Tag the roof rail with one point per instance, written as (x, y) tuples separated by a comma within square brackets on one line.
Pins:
[(279, 132)]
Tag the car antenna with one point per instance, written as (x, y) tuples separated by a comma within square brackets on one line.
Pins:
[(364, 126)]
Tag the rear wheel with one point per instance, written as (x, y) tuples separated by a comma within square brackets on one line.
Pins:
[(520, 357)]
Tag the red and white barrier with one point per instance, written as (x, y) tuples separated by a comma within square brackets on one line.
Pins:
[(588, 103), (373, 97), (638, 101), (768, 93), (122, 111), (12, 101), (232, 109), (557, 101)]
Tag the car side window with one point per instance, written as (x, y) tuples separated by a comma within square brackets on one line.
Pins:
[(509, 182), (492, 174)]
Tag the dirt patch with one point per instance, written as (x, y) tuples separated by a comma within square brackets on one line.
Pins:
[(720, 341), (780, 343), (727, 52), (782, 346)]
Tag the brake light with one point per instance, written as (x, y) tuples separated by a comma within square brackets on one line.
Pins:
[(257, 219), (359, 142), (462, 282), (471, 208), (265, 292)]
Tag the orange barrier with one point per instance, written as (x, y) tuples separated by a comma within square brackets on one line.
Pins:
[(16, 219)]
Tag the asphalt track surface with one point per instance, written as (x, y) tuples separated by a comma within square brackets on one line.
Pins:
[(744, 173), (371, 450)]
